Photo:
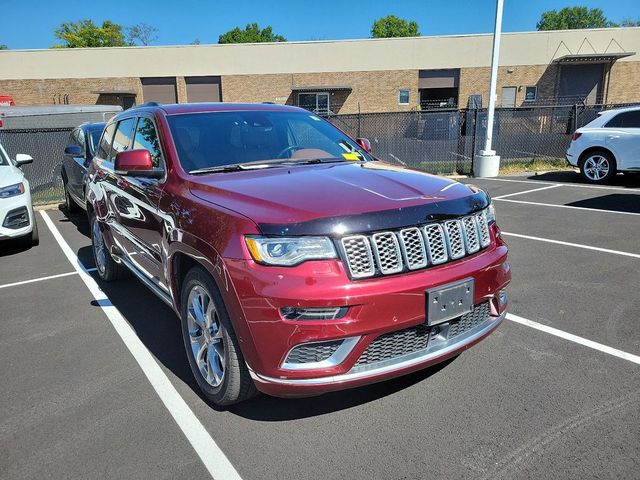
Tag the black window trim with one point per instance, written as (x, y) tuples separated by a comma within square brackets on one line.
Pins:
[(163, 162)]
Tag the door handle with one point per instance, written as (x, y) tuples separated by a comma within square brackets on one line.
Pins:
[(611, 137)]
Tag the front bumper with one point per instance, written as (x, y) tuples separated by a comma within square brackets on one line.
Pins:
[(8, 205), (377, 306), (399, 366)]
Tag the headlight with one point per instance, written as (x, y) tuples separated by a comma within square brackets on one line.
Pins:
[(12, 190), (289, 251), (490, 212)]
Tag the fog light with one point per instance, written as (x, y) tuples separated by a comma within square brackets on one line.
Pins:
[(296, 313), (16, 218)]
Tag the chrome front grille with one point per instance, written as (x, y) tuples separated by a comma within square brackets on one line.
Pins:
[(359, 258), (455, 243), (413, 248), (385, 253)]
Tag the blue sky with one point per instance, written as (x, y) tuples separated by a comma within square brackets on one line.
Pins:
[(30, 23)]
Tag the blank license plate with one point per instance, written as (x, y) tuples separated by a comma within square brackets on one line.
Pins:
[(449, 301)]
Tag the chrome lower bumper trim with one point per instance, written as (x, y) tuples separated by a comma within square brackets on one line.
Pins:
[(391, 365)]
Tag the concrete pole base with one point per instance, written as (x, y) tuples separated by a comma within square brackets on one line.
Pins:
[(486, 164)]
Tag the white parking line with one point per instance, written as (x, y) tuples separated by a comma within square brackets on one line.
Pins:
[(527, 191), (574, 338), (565, 206), (569, 244), (40, 279), (576, 185), (212, 457)]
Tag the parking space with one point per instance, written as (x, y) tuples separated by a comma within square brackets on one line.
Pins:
[(85, 402)]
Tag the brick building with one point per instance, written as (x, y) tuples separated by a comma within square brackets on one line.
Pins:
[(372, 75)]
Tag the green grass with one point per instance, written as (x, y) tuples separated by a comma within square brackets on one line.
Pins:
[(532, 165), (47, 196)]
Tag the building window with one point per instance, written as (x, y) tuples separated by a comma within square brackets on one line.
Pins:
[(530, 94), (317, 102), (403, 97)]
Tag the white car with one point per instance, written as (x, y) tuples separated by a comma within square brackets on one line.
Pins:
[(16, 212), (607, 145)]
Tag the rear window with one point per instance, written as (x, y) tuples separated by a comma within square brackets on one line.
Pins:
[(223, 138), (625, 120)]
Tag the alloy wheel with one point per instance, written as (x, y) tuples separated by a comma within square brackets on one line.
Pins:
[(596, 167), (205, 334), (98, 247)]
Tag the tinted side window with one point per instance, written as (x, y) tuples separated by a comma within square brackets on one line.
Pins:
[(122, 137), (105, 141), (147, 138), (625, 120), (80, 139)]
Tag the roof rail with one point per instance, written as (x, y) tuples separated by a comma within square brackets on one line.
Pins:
[(148, 104)]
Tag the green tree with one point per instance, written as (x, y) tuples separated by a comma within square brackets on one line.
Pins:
[(141, 34), (251, 34), (3, 47), (570, 18), (392, 26), (87, 34), (627, 22)]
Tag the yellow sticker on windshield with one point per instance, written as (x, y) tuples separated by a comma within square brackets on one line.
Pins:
[(351, 156), (313, 117)]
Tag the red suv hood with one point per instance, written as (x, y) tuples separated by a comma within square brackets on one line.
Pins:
[(304, 193)]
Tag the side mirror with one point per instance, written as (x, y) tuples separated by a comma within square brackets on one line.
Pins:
[(365, 144), (73, 151), (23, 159), (136, 163)]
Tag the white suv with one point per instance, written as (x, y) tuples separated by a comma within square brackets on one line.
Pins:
[(16, 212), (609, 144)]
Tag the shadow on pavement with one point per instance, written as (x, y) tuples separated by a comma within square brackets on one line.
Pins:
[(567, 176), (617, 202), (271, 409), (14, 247)]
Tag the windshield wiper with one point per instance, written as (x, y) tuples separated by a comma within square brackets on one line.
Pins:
[(233, 167), (310, 161)]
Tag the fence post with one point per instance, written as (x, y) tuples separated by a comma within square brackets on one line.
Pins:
[(575, 117), (474, 137), (359, 122)]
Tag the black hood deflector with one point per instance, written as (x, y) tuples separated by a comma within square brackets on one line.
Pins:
[(340, 226)]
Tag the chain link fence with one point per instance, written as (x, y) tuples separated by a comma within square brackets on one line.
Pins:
[(442, 141), (46, 146), (445, 141)]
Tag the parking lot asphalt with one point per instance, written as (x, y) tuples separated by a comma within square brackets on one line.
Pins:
[(524, 403)]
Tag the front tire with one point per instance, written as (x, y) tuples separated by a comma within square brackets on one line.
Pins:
[(598, 166), (211, 344), (107, 268)]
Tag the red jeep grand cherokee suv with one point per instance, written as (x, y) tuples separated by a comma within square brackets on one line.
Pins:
[(297, 263)]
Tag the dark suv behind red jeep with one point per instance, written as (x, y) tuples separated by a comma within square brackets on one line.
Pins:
[(297, 263)]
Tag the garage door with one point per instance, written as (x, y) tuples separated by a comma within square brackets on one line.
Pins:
[(581, 83), (203, 89), (159, 89)]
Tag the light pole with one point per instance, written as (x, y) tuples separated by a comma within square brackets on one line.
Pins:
[(487, 163)]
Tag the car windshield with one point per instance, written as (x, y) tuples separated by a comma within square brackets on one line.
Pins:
[(94, 139), (217, 139)]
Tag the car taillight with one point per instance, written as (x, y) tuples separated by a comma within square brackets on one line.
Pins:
[(575, 136)]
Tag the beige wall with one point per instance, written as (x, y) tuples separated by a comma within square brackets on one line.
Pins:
[(43, 92), (371, 91), (475, 81), (624, 82), (462, 51)]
